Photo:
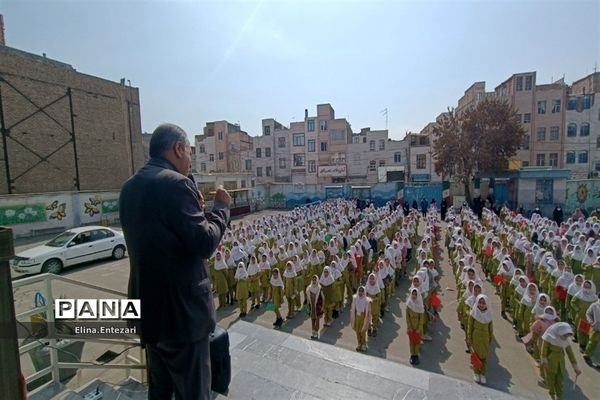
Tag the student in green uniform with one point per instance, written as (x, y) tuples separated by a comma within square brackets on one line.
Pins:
[(360, 317), (480, 334), (374, 293), (254, 282), (527, 303), (264, 277), (221, 279), (289, 280), (572, 290), (580, 303), (555, 342), (277, 288), (315, 300), (326, 282), (241, 288), (593, 317), (415, 319)]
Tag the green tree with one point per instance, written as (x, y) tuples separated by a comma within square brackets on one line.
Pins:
[(481, 139)]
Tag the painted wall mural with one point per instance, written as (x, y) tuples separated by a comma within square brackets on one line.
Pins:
[(583, 193), (110, 206), (22, 214), (57, 210)]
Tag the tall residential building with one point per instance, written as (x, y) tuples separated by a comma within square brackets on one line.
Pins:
[(223, 148), (374, 157), (582, 127), (473, 96), (542, 112)]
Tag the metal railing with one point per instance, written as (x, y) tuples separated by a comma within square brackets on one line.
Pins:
[(129, 362)]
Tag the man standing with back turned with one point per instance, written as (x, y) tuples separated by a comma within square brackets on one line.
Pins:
[(169, 238)]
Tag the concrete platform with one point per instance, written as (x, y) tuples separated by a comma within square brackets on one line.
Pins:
[(268, 364)]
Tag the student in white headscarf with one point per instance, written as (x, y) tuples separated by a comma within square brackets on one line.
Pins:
[(579, 304), (327, 287), (555, 342), (315, 300), (241, 288), (480, 334), (221, 279), (373, 291), (415, 319), (360, 317), (277, 288), (593, 318)]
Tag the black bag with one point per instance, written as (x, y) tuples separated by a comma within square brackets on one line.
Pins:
[(220, 360)]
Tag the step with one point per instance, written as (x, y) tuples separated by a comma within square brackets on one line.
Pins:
[(99, 390)]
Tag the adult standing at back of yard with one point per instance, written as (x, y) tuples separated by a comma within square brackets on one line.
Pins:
[(169, 238)]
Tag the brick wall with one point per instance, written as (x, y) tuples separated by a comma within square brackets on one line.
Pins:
[(106, 119)]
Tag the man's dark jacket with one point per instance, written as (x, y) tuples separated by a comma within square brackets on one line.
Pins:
[(169, 238)]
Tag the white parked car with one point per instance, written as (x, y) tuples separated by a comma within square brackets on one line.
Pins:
[(75, 246)]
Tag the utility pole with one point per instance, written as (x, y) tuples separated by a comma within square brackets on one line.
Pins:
[(10, 379), (385, 112)]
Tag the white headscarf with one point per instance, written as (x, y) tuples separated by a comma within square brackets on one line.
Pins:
[(483, 317), (252, 269), (276, 281), (415, 305), (326, 280), (549, 317), (565, 279), (360, 303), (220, 264), (555, 331), (240, 272), (373, 290), (587, 295), (528, 300), (538, 309), (289, 272), (314, 288)]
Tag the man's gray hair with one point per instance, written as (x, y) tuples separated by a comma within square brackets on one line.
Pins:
[(164, 137)]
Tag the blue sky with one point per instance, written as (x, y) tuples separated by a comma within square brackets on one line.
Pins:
[(200, 61)]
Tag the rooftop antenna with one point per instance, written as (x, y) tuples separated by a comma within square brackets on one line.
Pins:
[(385, 112)]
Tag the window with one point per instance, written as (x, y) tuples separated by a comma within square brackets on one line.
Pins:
[(312, 166), (540, 160), (526, 139), (258, 171), (372, 145), (201, 149), (541, 107), (541, 134), (597, 166), (338, 135), (281, 142), (211, 157), (311, 146), (298, 160), (421, 161), (323, 125), (519, 83), (258, 152), (298, 139), (572, 103), (382, 163), (570, 157), (584, 129), (364, 140), (202, 167), (323, 146), (267, 152), (267, 130), (243, 184), (588, 100), (554, 133), (372, 166), (248, 165), (583, 157), (555, 106), (220, 155), (526, 163), (220, 135), (527, 118), (572, 130), (553, 159), (381, 144), (528, 82), (398, 157), (310, 125), (543, 190), (598, 142), (282, 163), (269, 171)]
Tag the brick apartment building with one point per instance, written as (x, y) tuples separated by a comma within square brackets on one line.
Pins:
[(64, 130)]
